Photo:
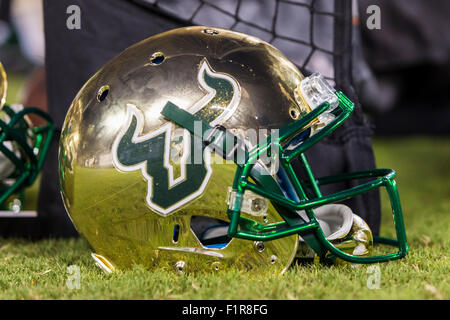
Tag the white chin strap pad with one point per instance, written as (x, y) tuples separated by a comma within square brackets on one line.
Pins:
[(336, 220), (6, 165)]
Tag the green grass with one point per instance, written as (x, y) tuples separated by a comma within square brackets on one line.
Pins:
[(39, 270), (15, 82)]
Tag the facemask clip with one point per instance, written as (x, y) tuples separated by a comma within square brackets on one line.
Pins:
[(252, 203), (316, 90)]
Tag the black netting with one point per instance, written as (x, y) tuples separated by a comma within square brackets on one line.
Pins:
[(4, 10), (309, 32)]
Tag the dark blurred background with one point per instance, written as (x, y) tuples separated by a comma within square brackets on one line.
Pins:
[(404, 90), (409, 56)]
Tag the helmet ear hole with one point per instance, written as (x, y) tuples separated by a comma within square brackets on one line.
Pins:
[(176, 233), (211, 232)]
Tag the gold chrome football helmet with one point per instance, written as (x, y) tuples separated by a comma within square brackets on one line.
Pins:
[(23, 148), (177, 154)]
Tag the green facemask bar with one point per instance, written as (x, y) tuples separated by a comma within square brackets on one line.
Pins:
[(32, 144), (310, 231)]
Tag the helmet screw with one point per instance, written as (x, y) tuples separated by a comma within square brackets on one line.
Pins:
[(16, 205), (273, 259), (179, 266), (210, 31), (294, 113), (216, 266), (259, 246)]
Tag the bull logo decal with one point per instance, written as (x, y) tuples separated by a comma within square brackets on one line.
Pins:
[(151, 152)]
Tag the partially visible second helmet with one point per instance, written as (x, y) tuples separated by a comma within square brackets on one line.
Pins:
[(177, 154), (23, 148)]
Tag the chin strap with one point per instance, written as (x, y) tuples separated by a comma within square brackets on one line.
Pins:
[(345, 230), (336, 220)]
